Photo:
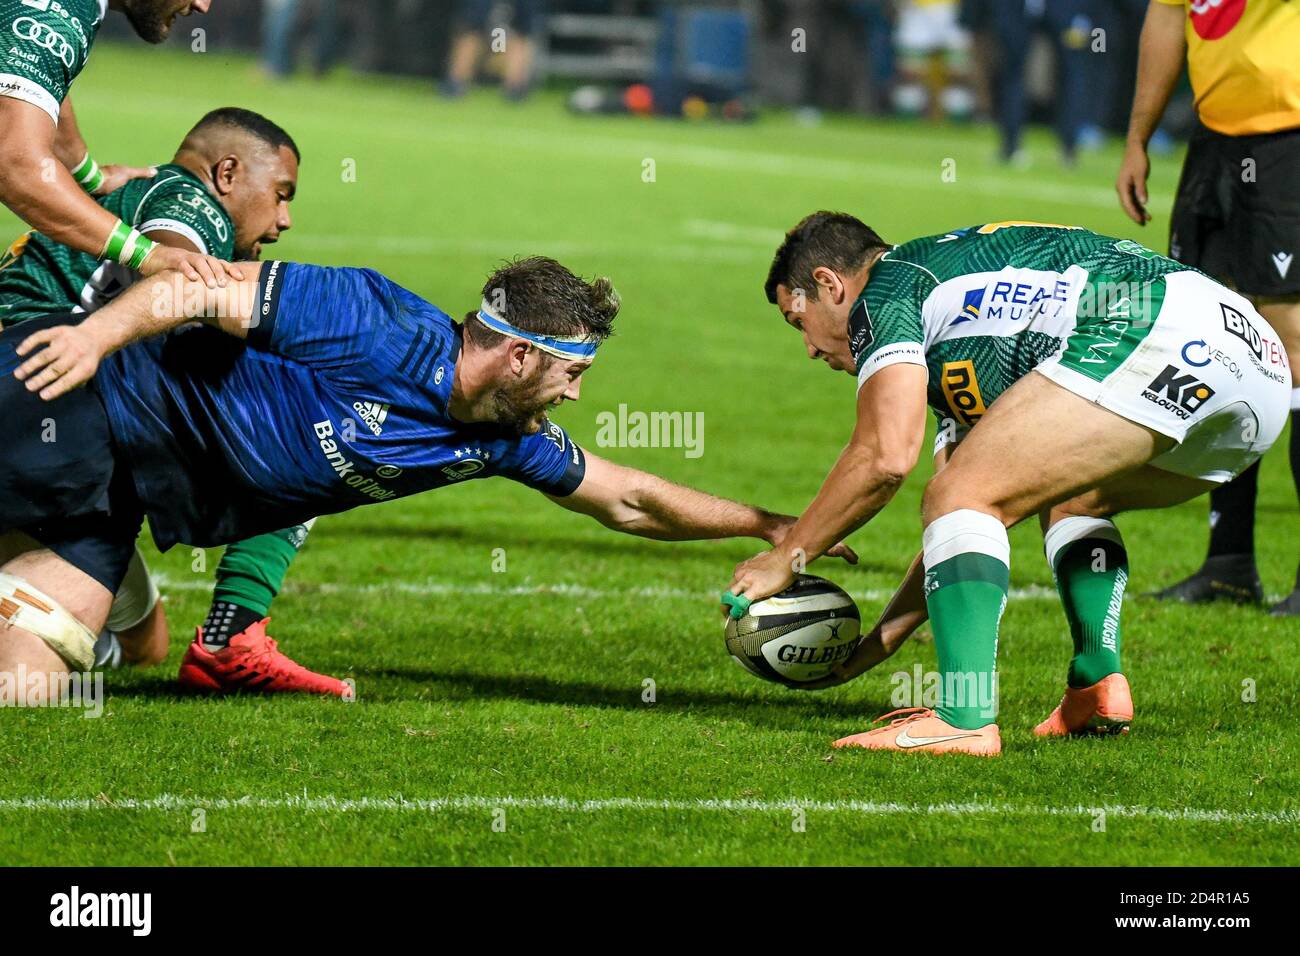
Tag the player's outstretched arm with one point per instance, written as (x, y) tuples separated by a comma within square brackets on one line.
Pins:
[(905, 612), (43, 193), (64, 357), (884, 449), (637, 502)]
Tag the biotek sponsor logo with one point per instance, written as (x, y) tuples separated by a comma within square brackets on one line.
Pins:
[(345, 468), (131, 910), (1178, 392), (1264, 352)]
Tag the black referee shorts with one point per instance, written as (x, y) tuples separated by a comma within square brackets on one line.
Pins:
[(59, 481), (1237, 212)]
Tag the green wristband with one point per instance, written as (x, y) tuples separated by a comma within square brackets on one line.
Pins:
[(127, 247), (143, 246), (116, 241), (738, 604), (88, 175)]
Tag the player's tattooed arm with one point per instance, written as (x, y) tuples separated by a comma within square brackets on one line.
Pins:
[(883, 450), (63, 357), (637, 502)]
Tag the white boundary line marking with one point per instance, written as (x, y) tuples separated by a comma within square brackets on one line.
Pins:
[(433, 588), (400, 804)]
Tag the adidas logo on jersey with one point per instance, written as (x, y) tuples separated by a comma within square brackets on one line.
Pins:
[(373, 414)]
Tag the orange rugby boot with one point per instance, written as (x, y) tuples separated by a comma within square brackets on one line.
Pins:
[(921, 729)]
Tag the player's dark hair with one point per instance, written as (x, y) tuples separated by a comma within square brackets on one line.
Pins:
[(233, 117), (835, 240), (538, 294)]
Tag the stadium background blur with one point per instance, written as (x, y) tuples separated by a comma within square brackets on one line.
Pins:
[(856, 68)]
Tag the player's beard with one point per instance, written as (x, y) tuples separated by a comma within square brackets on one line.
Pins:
[(149, 18), (519, 407)]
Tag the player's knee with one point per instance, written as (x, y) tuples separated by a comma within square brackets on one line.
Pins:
[(32, 616), (24, 655), (947, 492)]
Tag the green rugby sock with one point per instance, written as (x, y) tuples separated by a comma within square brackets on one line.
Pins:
[(1090, 563), (967, 568), (252, 572)]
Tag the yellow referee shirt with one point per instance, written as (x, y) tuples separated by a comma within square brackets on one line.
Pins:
[(1244, 60)]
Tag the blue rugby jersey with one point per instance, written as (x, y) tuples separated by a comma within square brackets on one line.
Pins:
[(338, 398)]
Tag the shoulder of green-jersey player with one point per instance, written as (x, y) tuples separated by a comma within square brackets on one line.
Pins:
[(184, 207), (897, 271)]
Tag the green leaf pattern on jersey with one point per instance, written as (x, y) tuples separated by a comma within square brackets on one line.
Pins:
[(981, 307), (39, 276)]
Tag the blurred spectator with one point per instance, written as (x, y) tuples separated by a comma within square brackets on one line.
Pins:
[(477, 31), (280, 33), (1013, 25), (933, 52), (877, 30)]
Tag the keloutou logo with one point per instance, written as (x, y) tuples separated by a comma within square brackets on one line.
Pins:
[(1214, 19)]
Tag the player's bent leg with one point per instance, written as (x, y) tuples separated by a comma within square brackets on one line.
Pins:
[(232, 651), (51, 611), (136, 632), (1037, 445), (1089, 563)]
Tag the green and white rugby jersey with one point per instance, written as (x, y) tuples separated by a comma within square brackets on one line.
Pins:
[(981, 307), (43, 46), (39, 276)]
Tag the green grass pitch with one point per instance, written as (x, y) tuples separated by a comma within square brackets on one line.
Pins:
[(501, 717)]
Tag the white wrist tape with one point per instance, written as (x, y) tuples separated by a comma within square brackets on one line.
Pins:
[(21, 605)]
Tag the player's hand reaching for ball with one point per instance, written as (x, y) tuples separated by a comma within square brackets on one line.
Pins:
[(761, 576), (62, 358), (195, 266)]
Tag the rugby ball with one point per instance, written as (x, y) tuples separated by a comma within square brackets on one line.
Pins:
[(798, 635)]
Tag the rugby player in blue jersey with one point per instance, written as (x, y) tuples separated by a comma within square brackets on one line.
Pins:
[(235, 426)]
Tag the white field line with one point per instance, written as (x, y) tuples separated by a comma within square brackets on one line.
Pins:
[(431, 588), (399, 804)]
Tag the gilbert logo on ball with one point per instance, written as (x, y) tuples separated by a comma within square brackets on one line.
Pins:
[(796, 636)]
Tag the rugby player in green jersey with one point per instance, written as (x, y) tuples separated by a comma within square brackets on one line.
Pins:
[(226, 193), (46, 172), (1074, 377)]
